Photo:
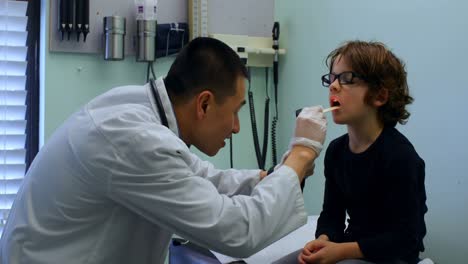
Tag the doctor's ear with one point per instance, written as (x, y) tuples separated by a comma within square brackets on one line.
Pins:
[(204, 99)]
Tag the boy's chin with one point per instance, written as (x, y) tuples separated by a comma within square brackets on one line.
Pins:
[(338, 121)]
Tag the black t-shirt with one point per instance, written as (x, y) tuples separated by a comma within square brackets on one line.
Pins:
[(382, 191)]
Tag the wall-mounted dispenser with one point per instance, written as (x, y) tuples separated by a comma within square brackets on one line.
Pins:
[(145, 44), (146, 40), (114, 37)]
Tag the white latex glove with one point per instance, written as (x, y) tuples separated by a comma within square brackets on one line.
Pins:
[(311, 129)]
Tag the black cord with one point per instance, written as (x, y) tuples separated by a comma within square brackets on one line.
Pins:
[(275, 84), (230, 152), (275, 34), (148, 72), (273, 140), (274, 155), (152, 70), (260, 154), (253, 122), (266, 82), (266, 121)]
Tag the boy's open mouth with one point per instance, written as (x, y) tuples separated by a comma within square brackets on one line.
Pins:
[(335, 102)]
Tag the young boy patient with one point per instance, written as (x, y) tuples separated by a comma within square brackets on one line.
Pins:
[(373, 174)]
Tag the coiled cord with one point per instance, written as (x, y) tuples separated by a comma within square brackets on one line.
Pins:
[(273, 140), (275, 118)]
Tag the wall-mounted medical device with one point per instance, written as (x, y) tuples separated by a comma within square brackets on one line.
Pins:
[(255, 51), (198, 18), (145, 38), (260, 52), (114, 37), (73, 18), (173, 12)]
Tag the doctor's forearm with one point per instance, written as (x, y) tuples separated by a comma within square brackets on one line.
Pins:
[(300, 159)]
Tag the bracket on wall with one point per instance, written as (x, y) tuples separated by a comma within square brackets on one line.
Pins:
[(256, 51), (170, 11)]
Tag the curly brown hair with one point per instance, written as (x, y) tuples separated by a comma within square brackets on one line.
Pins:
[(380, 69)]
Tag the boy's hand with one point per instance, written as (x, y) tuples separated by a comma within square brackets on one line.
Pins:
[(320, 251), (323, 251)]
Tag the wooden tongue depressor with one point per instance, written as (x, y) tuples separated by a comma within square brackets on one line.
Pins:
[(330, 109), (298, 111)]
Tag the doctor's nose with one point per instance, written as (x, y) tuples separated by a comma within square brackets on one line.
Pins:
[(236, 126)]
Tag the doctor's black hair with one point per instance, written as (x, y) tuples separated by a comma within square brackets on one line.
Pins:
[(204, 64)]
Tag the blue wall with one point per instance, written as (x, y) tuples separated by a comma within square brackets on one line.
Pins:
[(432, 38)]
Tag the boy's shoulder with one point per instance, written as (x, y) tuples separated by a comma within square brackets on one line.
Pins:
[(341, 140), (398, 146), (338, 144), (391, 142), (394, 138)]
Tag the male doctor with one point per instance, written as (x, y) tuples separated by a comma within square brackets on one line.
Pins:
[(117, 179)]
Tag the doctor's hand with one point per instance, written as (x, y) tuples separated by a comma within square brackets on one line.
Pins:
[(311, 129)]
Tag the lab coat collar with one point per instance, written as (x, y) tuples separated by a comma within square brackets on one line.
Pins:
[(167, 105)]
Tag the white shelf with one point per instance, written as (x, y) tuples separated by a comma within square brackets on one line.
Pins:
[(257, 50)]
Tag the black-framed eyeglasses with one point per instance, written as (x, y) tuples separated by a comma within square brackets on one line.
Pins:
[(346, 77)]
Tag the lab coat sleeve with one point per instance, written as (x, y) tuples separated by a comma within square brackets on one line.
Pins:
[(158, 182), (229, 182)]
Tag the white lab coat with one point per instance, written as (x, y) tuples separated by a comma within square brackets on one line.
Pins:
[(112, 185)]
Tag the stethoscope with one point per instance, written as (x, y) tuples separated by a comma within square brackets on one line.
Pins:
[(159, 105), (162, 114)]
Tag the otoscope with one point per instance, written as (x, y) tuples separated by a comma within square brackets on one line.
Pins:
[(275, 35)]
